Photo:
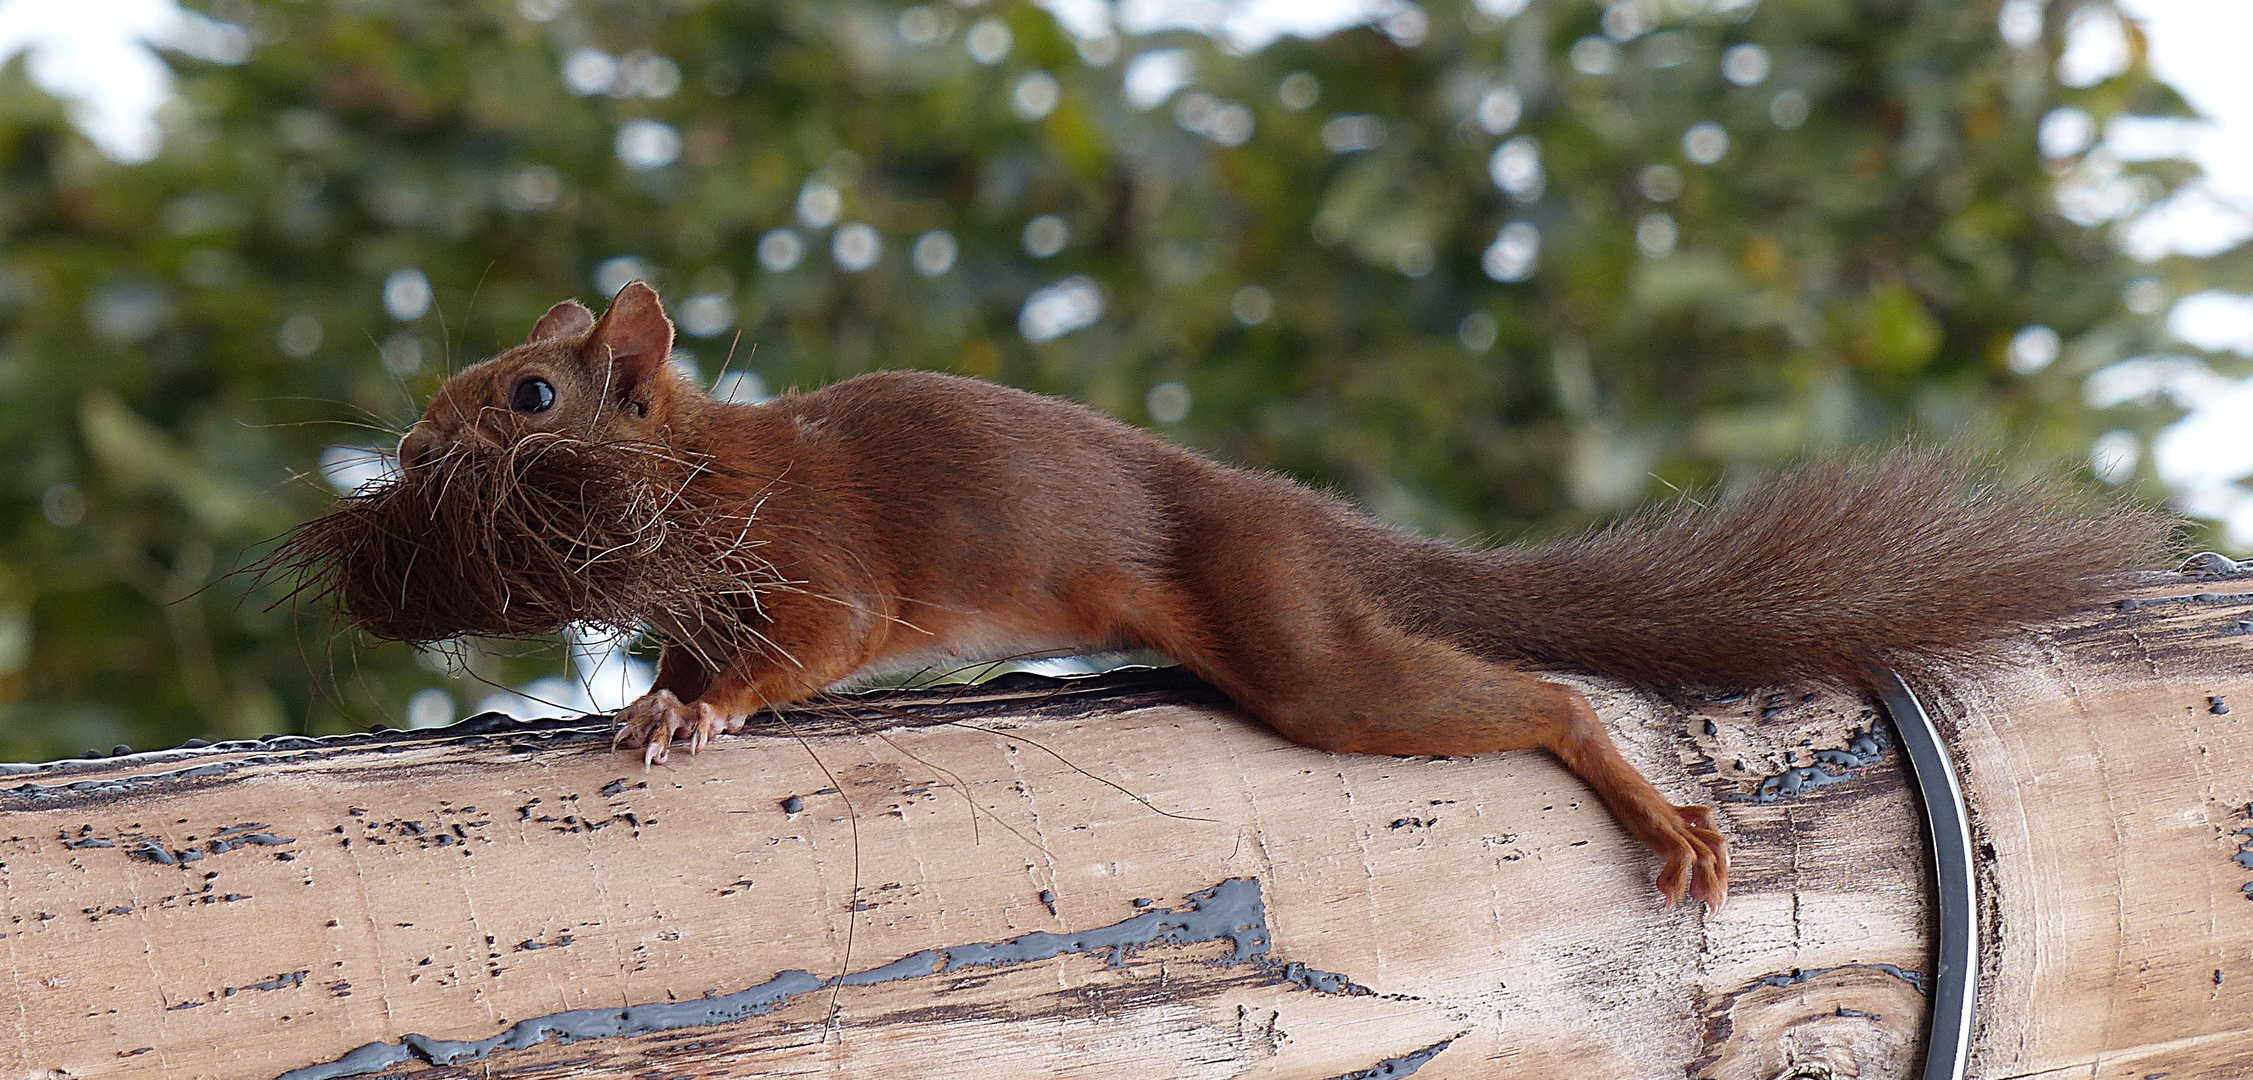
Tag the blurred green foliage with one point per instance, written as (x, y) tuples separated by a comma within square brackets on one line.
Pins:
[(1304, 258)]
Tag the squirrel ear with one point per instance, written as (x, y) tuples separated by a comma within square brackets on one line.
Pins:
[(567, 319), (633, 338)]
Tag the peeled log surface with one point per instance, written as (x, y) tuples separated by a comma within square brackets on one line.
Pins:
[(1121, 877)]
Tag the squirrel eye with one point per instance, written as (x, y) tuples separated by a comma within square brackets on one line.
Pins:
[(532, 396)]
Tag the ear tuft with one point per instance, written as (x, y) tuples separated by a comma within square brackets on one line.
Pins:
[(567, 319), (633, 338)]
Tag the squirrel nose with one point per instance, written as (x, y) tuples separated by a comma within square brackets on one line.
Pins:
[(414, 450)]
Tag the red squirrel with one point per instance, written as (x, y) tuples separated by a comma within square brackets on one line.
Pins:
[(923, 515)]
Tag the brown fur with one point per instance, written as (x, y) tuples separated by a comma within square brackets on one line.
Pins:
[(908, 515), (1896, 560)]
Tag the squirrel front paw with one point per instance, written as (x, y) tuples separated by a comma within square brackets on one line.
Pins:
[(659, 718)]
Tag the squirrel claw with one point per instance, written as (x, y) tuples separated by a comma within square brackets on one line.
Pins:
[(659, 719), (1697, 859), (650, 725), (710, 724)]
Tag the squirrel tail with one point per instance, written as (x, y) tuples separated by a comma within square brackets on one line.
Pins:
[(1898, 560)]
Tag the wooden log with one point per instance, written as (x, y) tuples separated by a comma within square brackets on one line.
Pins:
[(1124, 877), (2109, 777)]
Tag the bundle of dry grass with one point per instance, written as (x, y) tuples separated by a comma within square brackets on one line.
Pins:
[(519, 541)]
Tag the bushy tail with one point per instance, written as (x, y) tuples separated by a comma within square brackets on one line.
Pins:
[(1821, 572)]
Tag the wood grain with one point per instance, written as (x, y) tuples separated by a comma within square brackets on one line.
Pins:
[(2108, 788)]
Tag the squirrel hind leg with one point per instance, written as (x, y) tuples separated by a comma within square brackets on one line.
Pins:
[(1437, 699), (1696, 854)]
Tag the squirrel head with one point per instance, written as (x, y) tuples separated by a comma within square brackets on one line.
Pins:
[(600, 380)]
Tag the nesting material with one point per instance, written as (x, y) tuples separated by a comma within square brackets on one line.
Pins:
[(522, 540)]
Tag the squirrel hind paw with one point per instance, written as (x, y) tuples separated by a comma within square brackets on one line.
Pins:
[(1697, 860)]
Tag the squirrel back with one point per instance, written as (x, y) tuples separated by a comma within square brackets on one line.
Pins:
[(1898, 559)]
